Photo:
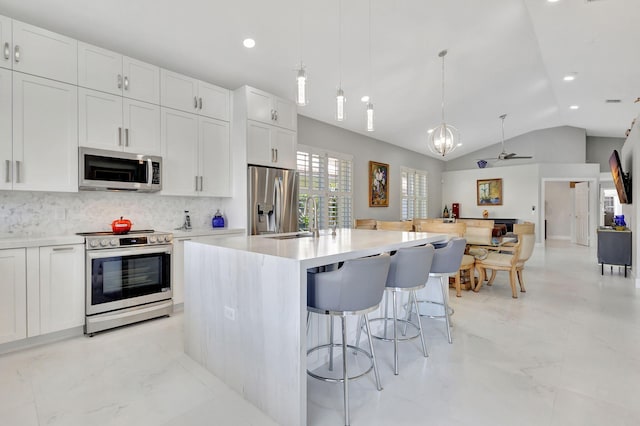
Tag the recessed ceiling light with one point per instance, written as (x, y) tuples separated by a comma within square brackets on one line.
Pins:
[(365, 98), (459, 143), (569, 77), (574, 107), (249, 43), (552, 1)]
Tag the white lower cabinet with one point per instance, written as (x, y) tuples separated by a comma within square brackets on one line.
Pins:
[(61, 288), (41, 290), (196, 155), (13, 295)]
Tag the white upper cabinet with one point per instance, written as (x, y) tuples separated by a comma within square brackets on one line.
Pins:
[(44, 53), (190, 95), (6, 149), (196, 154), (6, 43), (118, 124), (110, 72), (270, 109), (269, 145), (45, 134)]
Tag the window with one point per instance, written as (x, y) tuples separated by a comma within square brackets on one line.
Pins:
[(414, 193), (327, 177)]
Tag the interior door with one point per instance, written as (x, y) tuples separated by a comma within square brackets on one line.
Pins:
[(581, 198)]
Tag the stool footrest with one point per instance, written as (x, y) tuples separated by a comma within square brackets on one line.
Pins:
[(339, 345), (451, 311), (401, 337)]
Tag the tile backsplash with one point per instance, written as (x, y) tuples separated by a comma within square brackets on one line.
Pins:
[(51, 213)]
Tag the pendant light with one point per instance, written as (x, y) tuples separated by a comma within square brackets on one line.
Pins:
[(301, 75), (340, 99), (445, 138), (370, 127)]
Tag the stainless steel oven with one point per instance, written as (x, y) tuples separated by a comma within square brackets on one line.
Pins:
[(128, 278)]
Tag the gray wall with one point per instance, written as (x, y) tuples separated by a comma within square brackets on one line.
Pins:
[(321, 135), (555, 145), (599, 150)]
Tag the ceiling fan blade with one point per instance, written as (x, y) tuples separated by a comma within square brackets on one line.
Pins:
[(519, 157)]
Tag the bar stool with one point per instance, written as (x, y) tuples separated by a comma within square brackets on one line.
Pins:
[(356, 288), (409, 271), (446, 262)]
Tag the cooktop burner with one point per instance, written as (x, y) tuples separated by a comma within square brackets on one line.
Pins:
[(101, 233)]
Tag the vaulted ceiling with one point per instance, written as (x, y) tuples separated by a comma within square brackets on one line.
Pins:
[(505, 56)]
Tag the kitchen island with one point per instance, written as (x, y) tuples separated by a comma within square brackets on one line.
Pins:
[(245, 308)]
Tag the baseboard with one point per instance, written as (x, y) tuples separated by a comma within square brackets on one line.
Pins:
[(559, 237), (31, 342)]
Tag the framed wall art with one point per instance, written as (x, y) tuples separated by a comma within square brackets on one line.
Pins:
[(378, 184), (489, 192)]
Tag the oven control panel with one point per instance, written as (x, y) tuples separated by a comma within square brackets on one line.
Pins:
[(102, 242)]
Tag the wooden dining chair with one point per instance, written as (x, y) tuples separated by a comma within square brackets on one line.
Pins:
[(365, 224), (394, 225), (419, 221), (524, 228), (453, 230), (512, 262)]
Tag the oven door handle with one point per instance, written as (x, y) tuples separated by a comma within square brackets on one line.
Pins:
[(98, 254)]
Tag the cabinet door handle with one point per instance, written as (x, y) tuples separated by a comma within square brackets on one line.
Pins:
[(7, 50), (195, 102), (119, 81), (276, 155), (126, 83), (200, 103), (276, 114), (272, 115), (7, 164), (196, 183), (201, 184), (119, 136), (126, 137), (16, 53), (18, 163), (63, 249)]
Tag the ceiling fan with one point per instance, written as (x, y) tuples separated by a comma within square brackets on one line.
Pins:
[(504, 155)]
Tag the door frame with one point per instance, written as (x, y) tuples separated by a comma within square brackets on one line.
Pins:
[(594, 189)]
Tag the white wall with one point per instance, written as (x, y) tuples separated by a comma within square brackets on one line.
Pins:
[(520, 192), (563, 144), (364, 149), (631, 164), (558, 211)]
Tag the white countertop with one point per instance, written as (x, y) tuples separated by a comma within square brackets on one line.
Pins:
[(348, 243), (22, 241), (201, 232)]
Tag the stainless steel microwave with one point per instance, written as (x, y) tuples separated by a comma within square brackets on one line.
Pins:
[(119, 171)]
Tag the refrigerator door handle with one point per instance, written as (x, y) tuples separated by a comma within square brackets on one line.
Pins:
[(278, 204)]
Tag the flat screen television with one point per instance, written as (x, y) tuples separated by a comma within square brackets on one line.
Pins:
[(621, 180)]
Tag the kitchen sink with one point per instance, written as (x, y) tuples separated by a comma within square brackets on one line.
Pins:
[(292, 236)]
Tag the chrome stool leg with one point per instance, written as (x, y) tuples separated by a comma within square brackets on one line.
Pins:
[(445, 288), (331, 344), (415, 305), (344, 371), (373, 354), (395, 335)]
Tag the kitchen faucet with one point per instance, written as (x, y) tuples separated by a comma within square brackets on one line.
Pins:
[(313, 229)]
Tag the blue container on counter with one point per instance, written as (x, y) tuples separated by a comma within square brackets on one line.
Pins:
[(218, 220)]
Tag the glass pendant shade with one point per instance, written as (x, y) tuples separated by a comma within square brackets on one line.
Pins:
[(340, 100), (444, 139), (370, 127), (301, 87)]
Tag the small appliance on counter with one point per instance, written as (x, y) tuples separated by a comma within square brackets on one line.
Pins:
[(218, 220), (121, 226), (187, 220)]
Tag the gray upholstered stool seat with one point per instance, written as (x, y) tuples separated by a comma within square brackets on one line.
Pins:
[(356, 288), (408, 272), (446, 262)]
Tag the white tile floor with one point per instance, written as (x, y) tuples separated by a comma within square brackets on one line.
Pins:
[(565, 353)]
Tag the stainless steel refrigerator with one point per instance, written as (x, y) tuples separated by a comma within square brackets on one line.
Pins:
[(273, 200)]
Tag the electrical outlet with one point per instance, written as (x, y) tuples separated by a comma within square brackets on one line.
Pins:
[(230, 313)]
